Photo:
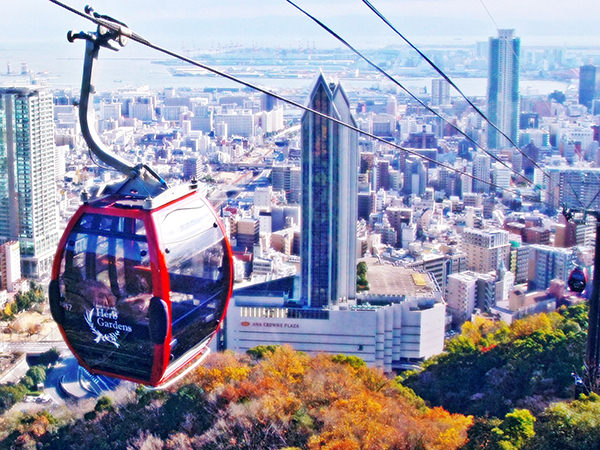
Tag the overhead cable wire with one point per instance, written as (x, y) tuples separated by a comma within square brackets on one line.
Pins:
[(396, 82), (449, 81), (98, 20), (489, 14)]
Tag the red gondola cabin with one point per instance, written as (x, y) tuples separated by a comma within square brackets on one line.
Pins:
[(139, 286)]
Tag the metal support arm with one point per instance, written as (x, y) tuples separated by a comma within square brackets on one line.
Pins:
[(86, 113), (142, 179)]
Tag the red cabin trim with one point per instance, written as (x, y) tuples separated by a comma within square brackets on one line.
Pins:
[(160, 283), (161, 287)]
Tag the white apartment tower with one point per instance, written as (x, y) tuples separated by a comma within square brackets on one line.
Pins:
[(503, 88), (481, 171), (501, 176), (10, 265), (461, 293), (28, 208)]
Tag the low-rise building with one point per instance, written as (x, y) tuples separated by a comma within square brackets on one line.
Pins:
[(390, 327)]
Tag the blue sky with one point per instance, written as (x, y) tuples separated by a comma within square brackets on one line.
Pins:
[(202, 23)]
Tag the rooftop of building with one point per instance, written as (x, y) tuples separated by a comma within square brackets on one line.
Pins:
[(287, 287), (389, 280), (20, 88)]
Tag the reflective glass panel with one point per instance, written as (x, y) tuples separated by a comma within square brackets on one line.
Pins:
[(106, 286)]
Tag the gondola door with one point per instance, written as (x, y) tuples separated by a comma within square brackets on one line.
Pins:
[(105, 285)]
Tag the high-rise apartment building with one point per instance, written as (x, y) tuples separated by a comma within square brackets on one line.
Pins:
[(486, 250), (461, 294), (329, 198), (268, 102), (481, 171), (519, 261), (503, 88), (587, 85), (382, 175), (10, 265), (415, 176), (549, 263), (440, 92), (192, 168), (288, 179), (501, 176), (247, 233), (366, 204), (28, 209)]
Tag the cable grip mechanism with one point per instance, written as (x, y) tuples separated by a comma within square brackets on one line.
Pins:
[(111, 34)]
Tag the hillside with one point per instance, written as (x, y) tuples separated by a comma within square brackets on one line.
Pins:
[(506, 387), (275, 399), (491, 368)]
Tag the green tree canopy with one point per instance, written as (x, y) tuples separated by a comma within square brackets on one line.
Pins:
[(37, 374), (571, 425), (505, 365)]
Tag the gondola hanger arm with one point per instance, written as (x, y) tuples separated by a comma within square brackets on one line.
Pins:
[(113, 35)]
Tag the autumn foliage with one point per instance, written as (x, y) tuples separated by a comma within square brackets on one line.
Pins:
[(324, 403), (492, 368), (285, 399)]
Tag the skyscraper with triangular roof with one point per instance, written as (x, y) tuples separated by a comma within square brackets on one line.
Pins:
[(329, 198)]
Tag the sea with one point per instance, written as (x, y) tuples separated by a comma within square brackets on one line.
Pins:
[(118, 72)]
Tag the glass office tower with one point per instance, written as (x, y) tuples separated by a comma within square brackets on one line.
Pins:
[(329, 198)]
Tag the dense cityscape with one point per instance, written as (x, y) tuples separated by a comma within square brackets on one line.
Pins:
[(380, 249)]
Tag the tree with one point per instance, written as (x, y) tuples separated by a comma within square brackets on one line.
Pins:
[(361, 269), (505, 365), (353, 361), (512, 433), (104, 403), (36, 292), (481, 434), (569, 425), (11, 394), (260, 351), (286, 399), (49, 357), (23, 301), (361, 277), (8, 311), (515, 430), (37, 374)]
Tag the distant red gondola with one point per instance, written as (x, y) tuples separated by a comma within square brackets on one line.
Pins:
[(577, 280)]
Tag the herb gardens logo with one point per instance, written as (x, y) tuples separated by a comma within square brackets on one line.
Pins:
[(105, 318)]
